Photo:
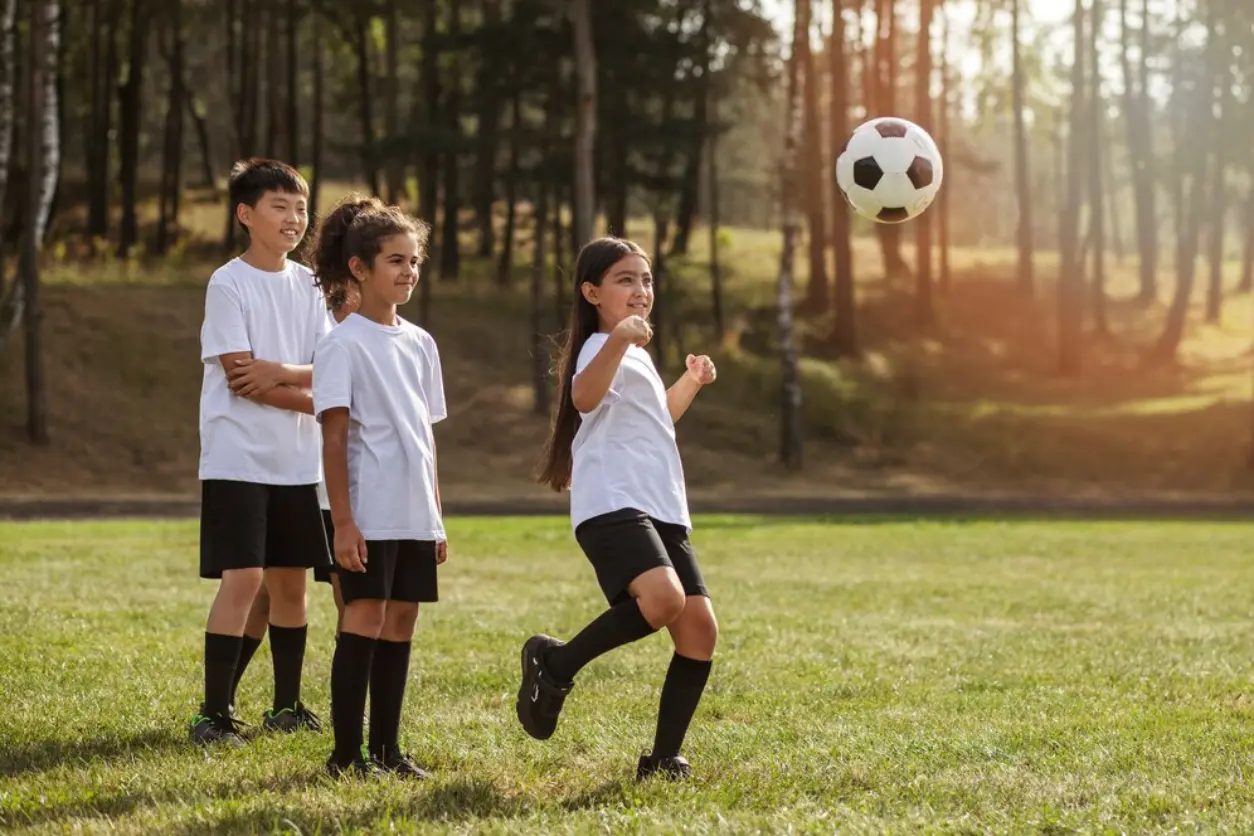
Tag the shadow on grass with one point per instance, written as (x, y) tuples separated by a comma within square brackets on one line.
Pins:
[(461, 800), (93, 805), (47, 754)]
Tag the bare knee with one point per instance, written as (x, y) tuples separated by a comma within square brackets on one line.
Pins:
[(661, 605), (702, 636), (399, 620), (365, 617), (239, 587)]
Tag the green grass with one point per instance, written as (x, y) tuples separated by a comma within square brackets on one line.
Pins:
[(872, 676)]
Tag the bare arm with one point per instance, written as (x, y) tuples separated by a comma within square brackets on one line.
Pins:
[(591, 384), (681, 395), (335, 464), (290, 397), (287, 397)]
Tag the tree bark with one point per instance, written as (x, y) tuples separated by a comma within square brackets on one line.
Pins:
[(790, 430), (103, 63), (429, 182), (131, 102), (1218, 193), (844, 329), (369, 150), (172, 152), (539, 357), (487, 138), (1070, 281), (1096, 162), (1023, 184), (716, 270), (585, 122), (505, 265), (946, 107), (818, 291), (924, 311), (293, 85), (450, 248), (319, 106)]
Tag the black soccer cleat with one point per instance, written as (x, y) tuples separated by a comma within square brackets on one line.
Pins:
[(402, 766), (217, 729), (539, 697), (291, 719), (355, 768), (674, 768)]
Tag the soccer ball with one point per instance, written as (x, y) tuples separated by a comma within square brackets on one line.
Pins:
[(890, 170)]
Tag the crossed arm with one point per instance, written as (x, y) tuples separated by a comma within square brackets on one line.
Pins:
[(280, 385)]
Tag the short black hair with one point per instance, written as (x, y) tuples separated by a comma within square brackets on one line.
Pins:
[(252, 178)]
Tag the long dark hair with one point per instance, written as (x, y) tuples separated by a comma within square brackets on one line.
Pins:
[(357, 228), (594, 261)]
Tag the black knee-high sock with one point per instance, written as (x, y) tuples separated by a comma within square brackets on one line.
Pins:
[(287, 646), (617, 626), (685, 681), (247, 648), (388, 677), (221, 655), (350, 677)]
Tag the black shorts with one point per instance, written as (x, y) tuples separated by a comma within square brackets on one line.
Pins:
[(322, 574), (246, 525), (396, 570), (623, 545)]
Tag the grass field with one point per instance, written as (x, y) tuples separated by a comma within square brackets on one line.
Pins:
[(873, 676)]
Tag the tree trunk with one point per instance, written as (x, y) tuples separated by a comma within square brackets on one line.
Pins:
[(844, 328), (487, 137), (505, 266), (394, 168), (688, 201), (1192, 123), (43, 165), (235, 50), (1136, 107), (172, 151), (1070, 281), (660, 316), (1247, 254), (924, 312), (616, 200), (202, 137), (271, 89), (369, 151), (450, 248), (429, 182), (585, 122), (716, 270), (790, 430), (293, 86), (1096, 161), (319, 106), (886, 103), (559, 255), (539, 357), (818, 293), (131, 102), (103, 63), (1023, 184), (1218, 192)]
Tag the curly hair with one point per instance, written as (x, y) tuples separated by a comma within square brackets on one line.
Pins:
[(357, 228)]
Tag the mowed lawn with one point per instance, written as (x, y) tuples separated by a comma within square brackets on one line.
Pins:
[(873, 676)]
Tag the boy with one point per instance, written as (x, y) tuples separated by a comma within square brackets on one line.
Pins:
[(260, 451)]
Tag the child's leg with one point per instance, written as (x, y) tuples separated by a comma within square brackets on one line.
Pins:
[(657, 599), (350, 675), (388, 677), (339, 603), (254, 635), (288, 632), (694, 633), (223, 636)]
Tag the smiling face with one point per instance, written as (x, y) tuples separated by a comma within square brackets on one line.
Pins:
[(277, 222), (391, 279), (626, 290)]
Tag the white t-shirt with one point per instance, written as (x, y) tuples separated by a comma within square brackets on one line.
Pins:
[(624, 453), (278, 317), (389, 378)]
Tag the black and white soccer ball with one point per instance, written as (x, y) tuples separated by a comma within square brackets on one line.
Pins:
[(890, 170)]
